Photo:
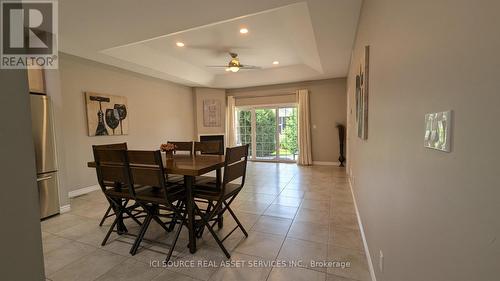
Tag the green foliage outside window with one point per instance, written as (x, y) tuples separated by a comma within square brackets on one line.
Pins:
[(266, 132), (289, 141)]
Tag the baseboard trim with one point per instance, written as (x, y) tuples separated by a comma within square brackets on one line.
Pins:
[(363, 237), (83, 191), (64, 209), (326, 163)]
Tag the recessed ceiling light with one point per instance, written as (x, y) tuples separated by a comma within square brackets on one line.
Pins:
[(179, 44), (276, 62), (243, 31)]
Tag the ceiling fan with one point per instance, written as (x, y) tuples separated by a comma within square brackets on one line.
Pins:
[(234, 64)]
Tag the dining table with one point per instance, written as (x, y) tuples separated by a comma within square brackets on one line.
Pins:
[(190, 166)]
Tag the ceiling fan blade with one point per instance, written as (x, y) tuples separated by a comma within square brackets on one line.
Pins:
[(217, 50), (225, 66), (250, 67)]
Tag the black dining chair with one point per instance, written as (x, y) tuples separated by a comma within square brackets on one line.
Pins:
[(182, 146), (208, 147), (163, 200), (220, 196), (113, 146), (113, 178)]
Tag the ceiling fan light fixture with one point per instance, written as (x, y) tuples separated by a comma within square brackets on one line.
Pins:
[(276, 62), (234, 64), (243, 30), (179, 44)]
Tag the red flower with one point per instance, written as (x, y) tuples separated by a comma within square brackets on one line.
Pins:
[(167, 147)]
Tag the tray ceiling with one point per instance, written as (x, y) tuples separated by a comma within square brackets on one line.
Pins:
[(311, 40)]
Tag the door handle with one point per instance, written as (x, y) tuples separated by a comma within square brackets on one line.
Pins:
[(43, 179)]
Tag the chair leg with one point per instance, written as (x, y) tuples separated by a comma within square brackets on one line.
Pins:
[(105, 216), (214, 235), (132, 216), (120, 207), (172, 247), (220, 221), (200, 232), (174, 219), (161, 223), (140, 236), (115, 221), (155, 211), (237, 221)]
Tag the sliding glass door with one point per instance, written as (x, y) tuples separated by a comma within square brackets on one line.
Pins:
[(265, 133), (287, 126), (244, 128), (270, 131)]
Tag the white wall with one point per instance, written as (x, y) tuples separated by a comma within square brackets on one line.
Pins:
[(158, 111), (435, 215)]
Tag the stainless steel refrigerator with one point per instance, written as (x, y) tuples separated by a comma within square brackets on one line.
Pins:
[(46, 164)]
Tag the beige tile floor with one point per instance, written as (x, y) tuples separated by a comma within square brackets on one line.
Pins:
[(291, 213)]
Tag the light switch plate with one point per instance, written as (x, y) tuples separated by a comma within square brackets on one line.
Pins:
[(438, 131)]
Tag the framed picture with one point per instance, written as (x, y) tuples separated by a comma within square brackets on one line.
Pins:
[(212, 113), (106, 114), (362, 95), (437, 130)]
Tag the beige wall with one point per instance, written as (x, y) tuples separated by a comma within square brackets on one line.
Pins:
[(434, 214), (327, 105), (158, 111), (201, 94)]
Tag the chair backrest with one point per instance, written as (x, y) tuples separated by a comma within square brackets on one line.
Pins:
[(208, 147), (111, 167), (235, 165), (112, 146), (146, 168), (183, 146)]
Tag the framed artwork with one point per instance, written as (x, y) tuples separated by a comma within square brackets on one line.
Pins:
[(106, 114), (212, 113), (362, 95), (437, 131)]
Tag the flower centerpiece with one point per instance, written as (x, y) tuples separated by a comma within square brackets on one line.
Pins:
[(168, 148)]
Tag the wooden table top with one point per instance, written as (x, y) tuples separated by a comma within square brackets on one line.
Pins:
[(188, 165)]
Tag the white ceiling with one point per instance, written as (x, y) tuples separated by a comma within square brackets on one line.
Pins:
[(311, 39)]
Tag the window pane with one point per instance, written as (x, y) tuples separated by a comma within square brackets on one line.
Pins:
[(266, 133), (244, 128), (288, 134)]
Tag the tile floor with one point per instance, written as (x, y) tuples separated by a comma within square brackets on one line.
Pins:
[(291, 213)]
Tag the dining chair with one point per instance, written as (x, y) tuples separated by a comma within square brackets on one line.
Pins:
[(113, 178), (164, 200), (234, 168), (208, 147), (115, 146), (184, 146), (180, 146)]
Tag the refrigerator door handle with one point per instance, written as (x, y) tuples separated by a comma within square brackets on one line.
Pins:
[(43, 179)]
